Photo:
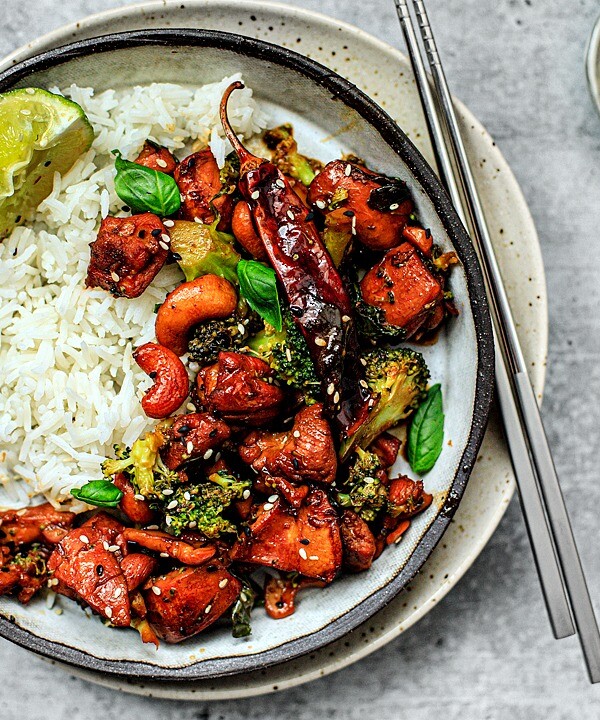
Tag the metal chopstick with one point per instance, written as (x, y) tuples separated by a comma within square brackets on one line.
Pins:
[(531, 500), (531, 456)]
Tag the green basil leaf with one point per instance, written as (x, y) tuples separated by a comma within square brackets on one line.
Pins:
[(101, 493), (146, 190), (259, 286), (426, 434)]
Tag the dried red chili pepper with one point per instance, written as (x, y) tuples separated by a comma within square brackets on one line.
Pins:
[(318, 299)]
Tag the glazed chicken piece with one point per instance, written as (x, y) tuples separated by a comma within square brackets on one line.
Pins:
[(87, 564), (407, 498), (199, 181), (185, 601), (409, 294), (386, 447), (307, 542), (41, 523), (26, 573), (127, 254), (280, 594), (358, 542), (193, 436), (156, 157), (137, 568), (372, 207), (166, 544), (240, 389), (138, 511), (305, 453)]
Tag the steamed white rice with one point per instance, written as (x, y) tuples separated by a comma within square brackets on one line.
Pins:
[(69, 388)]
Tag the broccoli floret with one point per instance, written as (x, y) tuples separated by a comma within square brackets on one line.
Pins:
[(201, 249), (230, 175), (398, 380), (286, 352), (232, 333), (201, 506), (370, 320), (143, 465), (281, 142), (366, 494)]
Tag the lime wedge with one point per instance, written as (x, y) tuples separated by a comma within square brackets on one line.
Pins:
[(40, 133)]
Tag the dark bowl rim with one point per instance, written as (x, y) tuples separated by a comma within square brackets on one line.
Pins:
[(408, 153)]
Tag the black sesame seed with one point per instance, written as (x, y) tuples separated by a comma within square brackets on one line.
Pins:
[(125, 208), (211, 568), (152, 374), (212, 433), (176, 256), (279, 604), (305, 541), (47, 163), (349, 213), (184, 429), (99, 570), (157, 232), (310, 216)]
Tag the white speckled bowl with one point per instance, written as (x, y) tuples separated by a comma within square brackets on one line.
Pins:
[(384, 73)]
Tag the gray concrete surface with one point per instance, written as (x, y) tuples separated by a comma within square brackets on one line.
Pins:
[(485, 652)]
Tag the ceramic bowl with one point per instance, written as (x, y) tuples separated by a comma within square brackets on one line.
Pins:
[(290, 87)]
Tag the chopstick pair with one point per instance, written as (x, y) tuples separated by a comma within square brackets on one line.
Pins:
[(555, 551)]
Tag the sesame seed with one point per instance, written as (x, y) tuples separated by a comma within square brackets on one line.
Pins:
[(223, 583), (353, 229), (194, 366), (193, 524), (161, 163), (30, 91), (320, 204), (168, 223), (288, 354), (346, 318), (105, 545), (302, 553), (199, 221), (363, 362), (59, 611), (246, 494), (137, 496), (347, 170), (25, 112), (336, 398), (255, 195), (363, 383), (268, 506), (165, 555), (394, 206), (279, 182), (152, 527), (320, 342), (165, 238), (207, 609), (273, 498), (168, 520), (187, 496), (172, 505), (313, 557), (182, 198), (156, 590), (113, 548), (296, 433), (397, 540), (108, 612), (190, 446), (117, 593), (330, 389), (54, 582), (163, 245), (241, 329), (207, 454), (168, 491), (84, 538), (114, 276), (290, 214)]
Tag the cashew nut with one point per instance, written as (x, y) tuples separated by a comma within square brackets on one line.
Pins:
[(206, 298), (171, 383)]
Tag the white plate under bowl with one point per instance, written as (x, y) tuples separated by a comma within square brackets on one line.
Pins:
[(384, 74)]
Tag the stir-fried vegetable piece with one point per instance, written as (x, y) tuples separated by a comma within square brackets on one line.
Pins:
[(398, 380), (283, 144), (215, 336), (288, 355), (200, 506), (364, 491), (143, 465), (242, 611), (315, 291), (202, 249)]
